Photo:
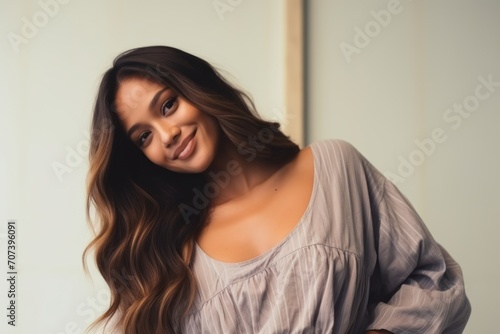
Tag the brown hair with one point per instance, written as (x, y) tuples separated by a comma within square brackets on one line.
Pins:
[(140, 229)]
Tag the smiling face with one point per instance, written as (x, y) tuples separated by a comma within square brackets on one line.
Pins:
[(170, 131)]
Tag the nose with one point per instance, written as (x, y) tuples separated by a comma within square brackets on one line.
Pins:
[(169, 134)]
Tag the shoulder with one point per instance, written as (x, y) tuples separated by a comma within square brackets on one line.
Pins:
[(341, 159), (336, 151)]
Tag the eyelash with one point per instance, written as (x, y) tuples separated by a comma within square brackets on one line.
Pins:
[(173, 101), (141, 140)]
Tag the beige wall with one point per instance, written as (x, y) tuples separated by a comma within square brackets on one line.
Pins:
[(383, 97), (50, 73), (398, 85)]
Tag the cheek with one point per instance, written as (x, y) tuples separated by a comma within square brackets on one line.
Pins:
[(212, 127), (154, 154)]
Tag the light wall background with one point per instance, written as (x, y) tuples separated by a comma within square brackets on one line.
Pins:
[(391, 93), (394, 88), (48, 85)]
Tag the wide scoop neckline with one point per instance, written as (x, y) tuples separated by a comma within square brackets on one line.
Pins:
[(280, 244)]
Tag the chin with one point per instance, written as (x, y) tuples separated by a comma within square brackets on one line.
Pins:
[(194, 167)]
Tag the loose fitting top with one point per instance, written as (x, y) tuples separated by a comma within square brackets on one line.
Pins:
[(359, 258)]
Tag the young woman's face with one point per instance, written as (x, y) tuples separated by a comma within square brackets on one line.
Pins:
[(170, 131)]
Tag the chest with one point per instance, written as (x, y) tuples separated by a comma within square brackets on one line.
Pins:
[(256, 223)]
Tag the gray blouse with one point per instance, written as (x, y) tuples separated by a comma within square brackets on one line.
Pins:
[(359, 258)]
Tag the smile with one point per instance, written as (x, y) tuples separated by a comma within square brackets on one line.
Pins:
[(186, 148)]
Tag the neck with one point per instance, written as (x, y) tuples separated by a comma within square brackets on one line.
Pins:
[(237, 174)]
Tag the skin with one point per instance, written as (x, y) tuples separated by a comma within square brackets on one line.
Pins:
[(159, 128), (260, 205)]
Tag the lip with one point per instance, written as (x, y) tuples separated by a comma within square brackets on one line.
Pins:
[(186, 148)]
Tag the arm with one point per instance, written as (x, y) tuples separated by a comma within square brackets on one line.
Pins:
[(416, 287)]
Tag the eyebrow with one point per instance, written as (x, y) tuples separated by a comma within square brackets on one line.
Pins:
[(152, 105), (155, 99)]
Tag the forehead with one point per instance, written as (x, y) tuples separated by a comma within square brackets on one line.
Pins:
[(133, 91), (134, 95)]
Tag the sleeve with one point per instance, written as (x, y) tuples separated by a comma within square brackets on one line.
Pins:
[(416, 287)]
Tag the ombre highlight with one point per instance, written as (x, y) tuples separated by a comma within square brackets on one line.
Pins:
[(138, 227)]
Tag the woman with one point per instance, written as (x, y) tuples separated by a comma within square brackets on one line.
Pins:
[(221, 224)]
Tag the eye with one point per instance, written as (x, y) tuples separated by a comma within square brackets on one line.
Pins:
[(143, 137), (168, 106)]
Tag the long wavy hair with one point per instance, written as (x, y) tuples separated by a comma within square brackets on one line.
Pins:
[(143, 244)]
